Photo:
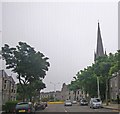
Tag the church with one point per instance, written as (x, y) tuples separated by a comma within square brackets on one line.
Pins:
[(99, 50)]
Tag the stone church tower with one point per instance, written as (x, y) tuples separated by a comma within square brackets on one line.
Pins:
[(99, 50)]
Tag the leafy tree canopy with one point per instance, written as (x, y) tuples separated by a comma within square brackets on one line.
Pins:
[(30, 65)]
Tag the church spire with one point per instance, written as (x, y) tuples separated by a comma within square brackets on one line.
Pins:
[(99, 50)]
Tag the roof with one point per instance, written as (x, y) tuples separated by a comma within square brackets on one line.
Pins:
[(4, 74)]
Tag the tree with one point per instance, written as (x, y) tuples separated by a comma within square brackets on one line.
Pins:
[(103, 68), (74, 87), (26, 62)]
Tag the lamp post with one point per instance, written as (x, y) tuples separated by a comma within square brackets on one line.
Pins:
[(98, 87), (54, 84)]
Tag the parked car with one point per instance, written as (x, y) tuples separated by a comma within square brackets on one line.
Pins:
[(68, 103), (83, 102), (24, 107), (40, 106), (74, 102), (95, 103), (45, 104)]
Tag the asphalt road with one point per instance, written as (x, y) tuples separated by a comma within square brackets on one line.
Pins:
[(73, 108)]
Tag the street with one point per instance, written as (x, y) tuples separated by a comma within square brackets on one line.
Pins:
[(73, 108)]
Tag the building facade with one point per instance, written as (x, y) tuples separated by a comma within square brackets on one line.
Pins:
[(8, 87), (71, 95), (114, 86), (64, 94)]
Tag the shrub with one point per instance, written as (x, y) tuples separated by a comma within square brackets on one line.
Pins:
[(44, 99), (3, 107), (10, 106)]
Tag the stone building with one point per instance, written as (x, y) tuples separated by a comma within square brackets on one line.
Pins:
[(79, 95), (67, 94), (58, 95), (64, 94), (47, 95), (114, 86), (8, 87)]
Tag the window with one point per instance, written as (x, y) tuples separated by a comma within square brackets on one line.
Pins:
[(5, 81), (5, 86), (111, 84), (115, 84), (69, 97)]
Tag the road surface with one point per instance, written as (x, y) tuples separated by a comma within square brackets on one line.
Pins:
[(73, 108)]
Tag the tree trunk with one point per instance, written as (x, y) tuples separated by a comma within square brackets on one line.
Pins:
[(22, 88)]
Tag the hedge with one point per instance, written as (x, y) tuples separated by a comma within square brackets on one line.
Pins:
[(9, 106)]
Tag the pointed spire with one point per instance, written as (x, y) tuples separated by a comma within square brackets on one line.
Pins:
[(99, 50), (94, 55), (105, 52)]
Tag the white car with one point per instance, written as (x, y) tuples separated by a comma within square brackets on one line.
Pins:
[(74, 102), (95, 103), (68, 103)]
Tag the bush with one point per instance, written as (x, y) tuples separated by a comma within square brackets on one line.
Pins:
[(57, 100), (3, 107), (44, 99), (10, 106)]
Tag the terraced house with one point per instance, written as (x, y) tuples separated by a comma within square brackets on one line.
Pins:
[(7, 88), (114, 86)]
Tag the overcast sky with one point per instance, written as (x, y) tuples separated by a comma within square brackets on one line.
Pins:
[(66, 32)]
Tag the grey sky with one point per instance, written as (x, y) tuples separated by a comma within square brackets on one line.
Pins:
[(65, 32)]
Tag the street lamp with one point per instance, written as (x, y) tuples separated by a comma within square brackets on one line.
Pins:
[(98, 88), (54, 84)]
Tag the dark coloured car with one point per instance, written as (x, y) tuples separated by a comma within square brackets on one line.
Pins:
[(40, 106), (24, 107), (83, 102), (45, 104)]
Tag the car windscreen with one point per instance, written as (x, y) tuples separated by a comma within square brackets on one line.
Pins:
[(68, 101), (96, 100), (22, 105), (84, 101)]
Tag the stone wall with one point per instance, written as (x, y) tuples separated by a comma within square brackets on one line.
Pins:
[(114, 86)]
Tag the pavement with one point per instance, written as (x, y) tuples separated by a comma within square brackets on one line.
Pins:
[(60, 102), (112, 106)]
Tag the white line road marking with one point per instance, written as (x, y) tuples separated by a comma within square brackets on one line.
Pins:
[(65, 110)]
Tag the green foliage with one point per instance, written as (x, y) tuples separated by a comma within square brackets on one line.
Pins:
[(32, 89), (104, 67), (10, 106), (44, 99), (31, 67), (51, 98)]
